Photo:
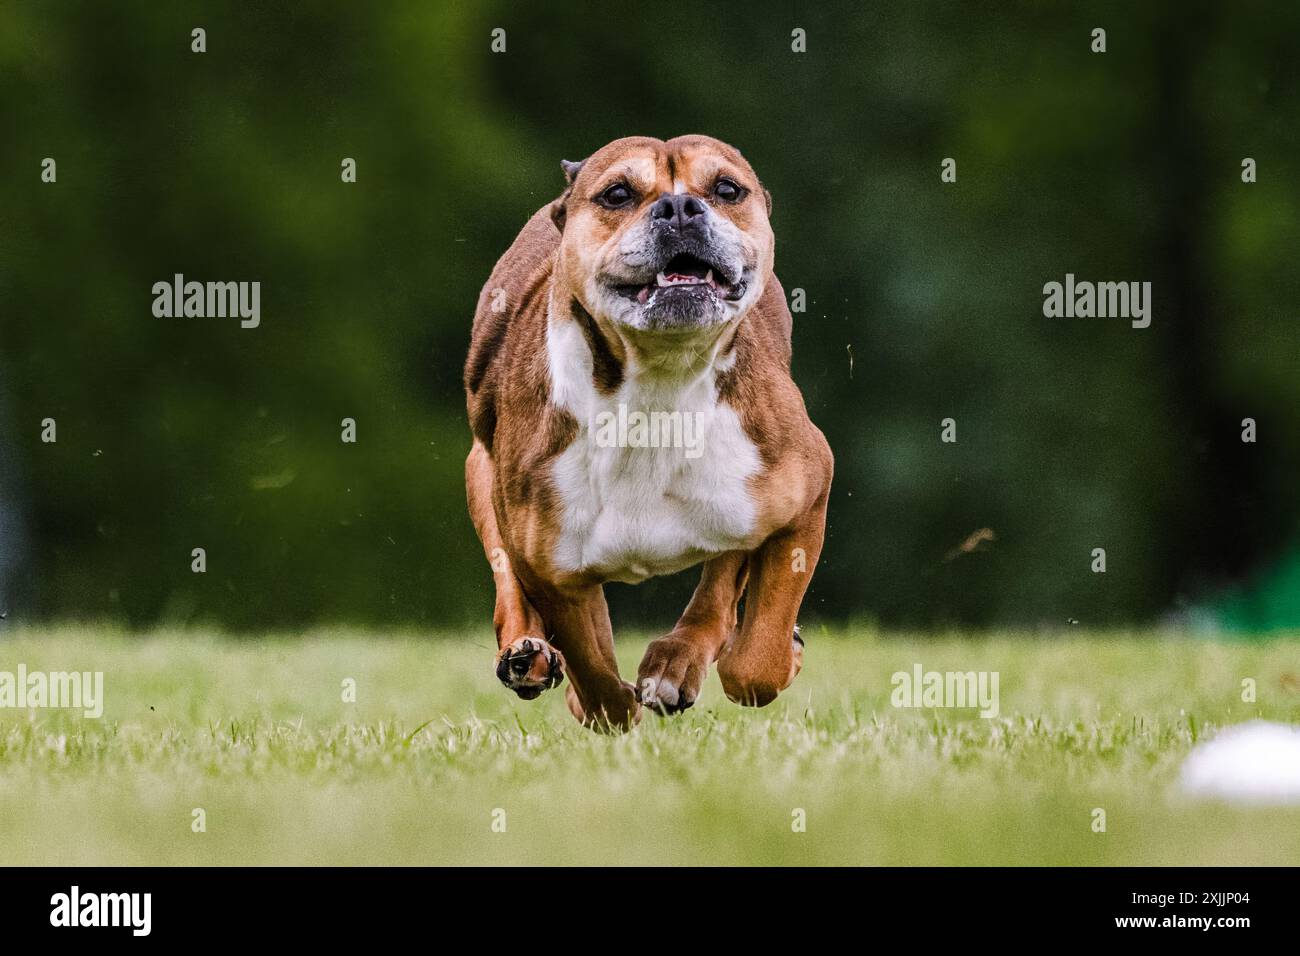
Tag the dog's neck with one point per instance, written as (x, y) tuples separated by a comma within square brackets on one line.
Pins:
[(621, 356)]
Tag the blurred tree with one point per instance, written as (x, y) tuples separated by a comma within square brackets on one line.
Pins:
[(924, 297)]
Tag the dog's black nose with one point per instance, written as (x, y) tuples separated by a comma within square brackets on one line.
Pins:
[(677, 211)]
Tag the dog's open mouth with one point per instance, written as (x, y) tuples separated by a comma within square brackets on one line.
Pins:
[(685, 274)]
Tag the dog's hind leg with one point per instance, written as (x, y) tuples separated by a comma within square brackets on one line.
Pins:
[(675, 665), (525, 662), (597, 695)]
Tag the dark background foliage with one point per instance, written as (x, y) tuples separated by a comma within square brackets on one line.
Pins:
[(924, 298)]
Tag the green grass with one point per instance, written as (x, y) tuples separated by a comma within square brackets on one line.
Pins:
[(257, 734)]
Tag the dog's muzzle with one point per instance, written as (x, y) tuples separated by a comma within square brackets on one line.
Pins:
[(692, 277)]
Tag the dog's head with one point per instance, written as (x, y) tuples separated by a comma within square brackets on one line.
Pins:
[(664, 237)]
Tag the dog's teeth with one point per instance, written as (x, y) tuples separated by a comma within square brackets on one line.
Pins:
[(663, 279)]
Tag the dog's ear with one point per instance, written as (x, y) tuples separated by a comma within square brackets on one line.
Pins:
[(571, 169), (768, 196), (558, 211)]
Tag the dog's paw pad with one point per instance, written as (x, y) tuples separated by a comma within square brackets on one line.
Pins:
[(529, 666)]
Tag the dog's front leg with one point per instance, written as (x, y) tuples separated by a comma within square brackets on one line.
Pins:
[(675, 665), (525, 662), (579, 619), (766, 654)]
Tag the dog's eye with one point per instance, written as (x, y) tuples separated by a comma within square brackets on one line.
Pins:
[(728, 191), (619, 194)]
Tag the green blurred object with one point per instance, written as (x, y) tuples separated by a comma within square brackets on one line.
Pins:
[(1270, 603), (924, 297)]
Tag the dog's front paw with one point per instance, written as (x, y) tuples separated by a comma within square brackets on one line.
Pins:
[(755, 679), (671, 674), (529, 666)]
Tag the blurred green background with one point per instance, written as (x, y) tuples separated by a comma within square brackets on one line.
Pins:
[(924, 298)]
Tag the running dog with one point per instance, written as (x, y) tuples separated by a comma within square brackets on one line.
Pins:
[(629, 392)]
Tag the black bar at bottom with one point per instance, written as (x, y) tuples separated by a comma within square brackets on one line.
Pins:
[(739, 907)]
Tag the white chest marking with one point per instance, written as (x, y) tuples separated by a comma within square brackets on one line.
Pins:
[(657, 478)]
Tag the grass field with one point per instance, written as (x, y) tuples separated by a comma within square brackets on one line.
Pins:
[(418, 768)]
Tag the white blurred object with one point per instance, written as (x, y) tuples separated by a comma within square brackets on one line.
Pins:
[(1255, 762)]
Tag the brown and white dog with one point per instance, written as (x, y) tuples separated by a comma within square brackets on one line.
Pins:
[(629, 392)]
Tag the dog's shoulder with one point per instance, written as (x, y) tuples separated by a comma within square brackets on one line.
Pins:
[(510, 324), (759, 385)]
